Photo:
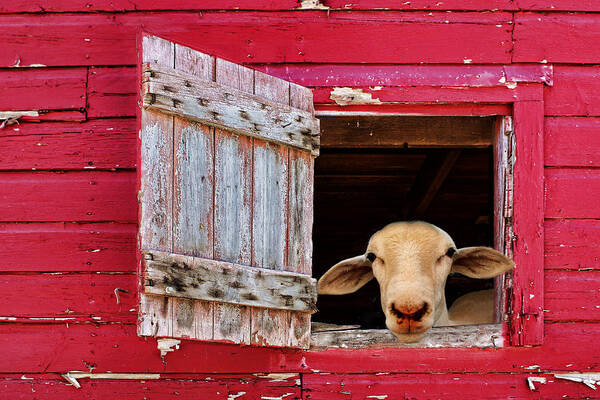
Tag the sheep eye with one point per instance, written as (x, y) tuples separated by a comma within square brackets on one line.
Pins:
[(451, 251), (371, 257)]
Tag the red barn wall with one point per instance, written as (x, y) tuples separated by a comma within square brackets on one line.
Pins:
[(68, 202)]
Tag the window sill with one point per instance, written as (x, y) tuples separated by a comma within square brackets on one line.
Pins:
[(480, 336)]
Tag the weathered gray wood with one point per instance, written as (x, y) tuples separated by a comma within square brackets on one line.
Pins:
[(233, 205), (178, 93), (156, 190), (176, 275), (481, 336), (270, 327), (300, 217), (269, 218), (193, 163)]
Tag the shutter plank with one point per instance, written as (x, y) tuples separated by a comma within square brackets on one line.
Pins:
[(156, 190), (233, 205), (301, 170), (269, 227), (226, 107), (193, 198)]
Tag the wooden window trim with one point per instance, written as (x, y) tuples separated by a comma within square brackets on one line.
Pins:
[(524, 102)]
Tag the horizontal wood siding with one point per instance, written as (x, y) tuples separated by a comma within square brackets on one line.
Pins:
[(68, 202)]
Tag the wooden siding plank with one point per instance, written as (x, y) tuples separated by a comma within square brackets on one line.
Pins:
[(37, 89), (200, 278), (98, 144), (68, 246), (188, 387), (572, 295), (222, 106), (556, 38), (558, 5), (94, 299), (572, 244), (48, 6), (111, 92), (574, 91), (572, 142), (233, 206), (68, 196), (444, 386), (336, 37), (155, 316), (572, 193), (527, 318)]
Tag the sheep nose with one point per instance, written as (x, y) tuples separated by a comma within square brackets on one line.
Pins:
[(411, 312)]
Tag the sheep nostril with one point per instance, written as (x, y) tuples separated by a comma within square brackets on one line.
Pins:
[(412, 313)]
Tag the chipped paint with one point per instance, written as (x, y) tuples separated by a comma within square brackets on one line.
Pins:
[(166, 345), (589, 379), (73, 376), (344, 96), (511, 85), (376, 396), (277, 377), (312, 5), (232, 396), (12, 117), (283, 396), (532, 379)]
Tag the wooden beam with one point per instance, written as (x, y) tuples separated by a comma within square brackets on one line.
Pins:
[(482, 336), (430, 178), (178, 93), (176, 275), (406, 131)]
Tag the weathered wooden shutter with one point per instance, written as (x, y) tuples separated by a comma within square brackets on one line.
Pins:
[(226, 185)]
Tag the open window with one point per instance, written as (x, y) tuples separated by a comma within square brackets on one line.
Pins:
[(452, 171), (225, 171)]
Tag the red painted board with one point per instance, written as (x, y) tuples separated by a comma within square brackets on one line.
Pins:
[(572, 193), (558, 5), (48, 6), (111, 92), (68, 196), (67, 247), (478, 5), (90, 297), (499, 94), (556, 38), (101, 144), (116, 348), (316, 37), (356, 75), (41, 88), (572, 295), (526, 323), (437, 386), (574, 92), (186, 387), (417, 109), (572, 142), (572, 244)]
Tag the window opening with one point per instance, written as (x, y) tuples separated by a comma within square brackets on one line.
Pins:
[(379, 169)]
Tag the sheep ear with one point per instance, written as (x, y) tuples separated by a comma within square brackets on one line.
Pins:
[(346, 276), (481, 262)]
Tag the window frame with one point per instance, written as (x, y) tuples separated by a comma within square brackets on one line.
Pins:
[(521, 98)]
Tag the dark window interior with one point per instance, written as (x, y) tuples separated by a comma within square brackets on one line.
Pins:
[(377, 170)]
